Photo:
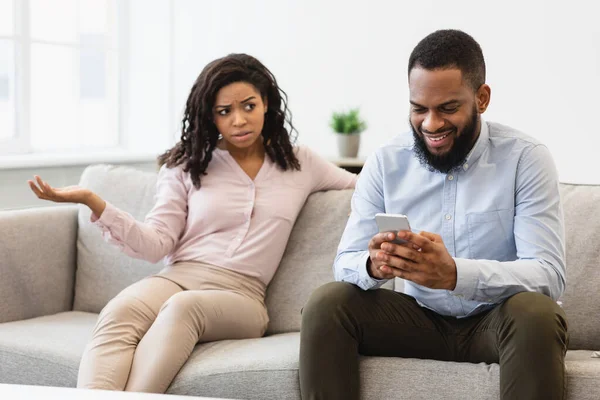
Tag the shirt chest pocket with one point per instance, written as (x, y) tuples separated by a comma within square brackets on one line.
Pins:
[(491, 235)]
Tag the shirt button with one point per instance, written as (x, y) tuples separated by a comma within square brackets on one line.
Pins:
[(450, 177), (465, 166), (448, 217)]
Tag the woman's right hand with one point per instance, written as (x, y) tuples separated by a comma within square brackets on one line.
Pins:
[(69, 194)]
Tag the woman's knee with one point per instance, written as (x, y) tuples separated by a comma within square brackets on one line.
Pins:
[(181, 306), (121, 309), (125, 313)]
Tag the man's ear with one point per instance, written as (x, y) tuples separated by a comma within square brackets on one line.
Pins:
[(483, 96)]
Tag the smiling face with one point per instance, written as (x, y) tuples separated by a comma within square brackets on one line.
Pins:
[(444, 116), (239, 115)]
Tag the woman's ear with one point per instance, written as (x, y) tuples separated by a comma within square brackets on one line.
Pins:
[(266, 103)]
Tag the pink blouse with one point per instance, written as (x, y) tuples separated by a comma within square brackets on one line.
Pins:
[(231, 221)]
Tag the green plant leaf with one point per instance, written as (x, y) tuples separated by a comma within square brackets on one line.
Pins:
[(347, 122)]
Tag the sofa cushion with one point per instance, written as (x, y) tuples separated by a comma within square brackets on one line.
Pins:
[(581, 299), (47, 350), (308, 259), (102, 270), (265, 368), (44, 350)]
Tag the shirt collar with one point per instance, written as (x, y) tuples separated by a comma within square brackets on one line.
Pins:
[(480, 145)]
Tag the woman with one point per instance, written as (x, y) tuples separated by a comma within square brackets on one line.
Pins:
[(227, 197)]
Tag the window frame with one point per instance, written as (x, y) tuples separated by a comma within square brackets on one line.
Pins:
[(20, 143)]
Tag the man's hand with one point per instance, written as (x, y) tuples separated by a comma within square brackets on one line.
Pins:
[(423, 260), (377, 267)]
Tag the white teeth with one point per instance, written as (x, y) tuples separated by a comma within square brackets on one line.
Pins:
[(438, 139)]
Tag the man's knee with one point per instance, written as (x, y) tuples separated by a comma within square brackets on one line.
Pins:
[(327, 302), (534, 313)]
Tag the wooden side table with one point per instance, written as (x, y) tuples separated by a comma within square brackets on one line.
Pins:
[(353, 165)]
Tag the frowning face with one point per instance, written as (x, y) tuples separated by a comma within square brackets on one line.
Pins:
[(239, 114)]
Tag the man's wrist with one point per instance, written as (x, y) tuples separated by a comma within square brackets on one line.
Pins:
[(453, 277), (369, 268), (372, 272)]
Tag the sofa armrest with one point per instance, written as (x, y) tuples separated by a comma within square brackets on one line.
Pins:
[(37, 261)]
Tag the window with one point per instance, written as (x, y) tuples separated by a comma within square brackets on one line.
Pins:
[(59, 75), (7, 72)]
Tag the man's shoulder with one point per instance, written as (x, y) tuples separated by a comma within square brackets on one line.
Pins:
[(400, 144), (500, 133)]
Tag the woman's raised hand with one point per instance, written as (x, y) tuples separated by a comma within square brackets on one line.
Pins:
[(69, 194)]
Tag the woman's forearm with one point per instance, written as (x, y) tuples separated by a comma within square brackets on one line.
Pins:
[(95, 203)]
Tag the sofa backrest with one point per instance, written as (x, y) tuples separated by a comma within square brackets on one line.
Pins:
[(102, 271), (581, 299), (308, 259)]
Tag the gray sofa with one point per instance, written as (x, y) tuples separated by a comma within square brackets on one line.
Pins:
[(56, 274)]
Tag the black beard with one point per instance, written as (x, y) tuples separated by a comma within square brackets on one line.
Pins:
[(456, 156)]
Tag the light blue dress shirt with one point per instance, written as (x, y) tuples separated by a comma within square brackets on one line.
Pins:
[(499, 214)]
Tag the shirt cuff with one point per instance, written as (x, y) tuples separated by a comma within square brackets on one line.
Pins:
[(107, 218), (366, 281), (467, 275)]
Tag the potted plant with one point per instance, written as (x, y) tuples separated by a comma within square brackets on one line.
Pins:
[(348, 127)]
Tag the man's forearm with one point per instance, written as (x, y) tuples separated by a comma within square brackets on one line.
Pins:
[(494, 281)]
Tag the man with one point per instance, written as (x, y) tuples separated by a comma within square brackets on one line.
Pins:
[(481, 278)]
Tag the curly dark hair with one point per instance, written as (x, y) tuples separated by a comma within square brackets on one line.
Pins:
[(450, 48), (199, 134)]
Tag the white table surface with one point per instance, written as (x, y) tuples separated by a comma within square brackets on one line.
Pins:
[(26, 392)]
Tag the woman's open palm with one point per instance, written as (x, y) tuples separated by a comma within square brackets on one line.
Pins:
[(69, 194)]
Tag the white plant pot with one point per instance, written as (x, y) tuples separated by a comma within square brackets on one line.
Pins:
[(348, 144)]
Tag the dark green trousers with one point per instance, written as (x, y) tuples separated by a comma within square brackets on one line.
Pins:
[(526, 335)]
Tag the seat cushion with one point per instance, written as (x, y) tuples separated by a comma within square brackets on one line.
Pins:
[(265, 368), (46, 351)]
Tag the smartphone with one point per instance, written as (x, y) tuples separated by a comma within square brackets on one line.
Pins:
[(392, 223)]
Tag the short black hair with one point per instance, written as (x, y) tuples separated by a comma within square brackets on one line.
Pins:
[(450, 48)]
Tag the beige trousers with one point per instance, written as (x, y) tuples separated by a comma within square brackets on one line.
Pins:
[(147, 332)]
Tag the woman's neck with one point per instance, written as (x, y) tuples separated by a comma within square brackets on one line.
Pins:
[(256, 151)]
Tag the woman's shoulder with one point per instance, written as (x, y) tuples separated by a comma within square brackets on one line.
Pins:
[(171, 170), (173, 174), (305, 154)]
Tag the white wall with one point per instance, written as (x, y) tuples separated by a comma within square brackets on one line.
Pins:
[(147, 116), (543, 61)]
